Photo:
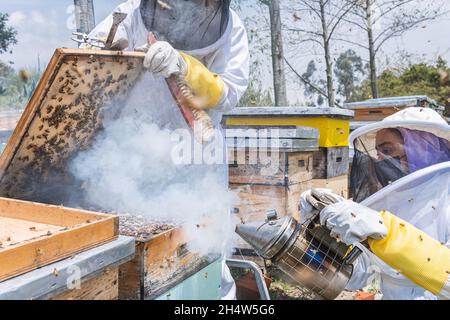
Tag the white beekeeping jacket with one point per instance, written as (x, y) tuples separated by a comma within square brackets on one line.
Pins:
[(151, 99), (422, 199), (228, 57)]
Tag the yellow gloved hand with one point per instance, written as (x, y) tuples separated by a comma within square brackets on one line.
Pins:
[(207, 87), (414, 254)]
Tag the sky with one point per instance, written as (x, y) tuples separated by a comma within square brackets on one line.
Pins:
[(44, 25)]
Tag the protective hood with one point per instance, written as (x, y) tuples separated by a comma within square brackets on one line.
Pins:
[(408, 141), (186, 25)]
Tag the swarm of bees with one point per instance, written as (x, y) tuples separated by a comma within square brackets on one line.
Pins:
[(66, 118), (140, 227)]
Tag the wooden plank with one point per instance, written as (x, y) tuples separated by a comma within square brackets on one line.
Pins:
[(21, 258), (293, 199), (168, 261), (62, 117), (102, 287), (64, 239), (287, 132), (47, 214), (375, 114), (270, 144), (131, 275), (259, 192), (160, 264), (256, 200), (282, 169), (15, 231)]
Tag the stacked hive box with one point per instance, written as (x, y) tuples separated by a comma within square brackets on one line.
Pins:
[(164, 262), (373, 110), (269, 167), (331, 161)]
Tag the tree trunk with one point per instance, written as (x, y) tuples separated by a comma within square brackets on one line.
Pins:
[(84, 12), (328, 61), (372, 53), (279, 79)]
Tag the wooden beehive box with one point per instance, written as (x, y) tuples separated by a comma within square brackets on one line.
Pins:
[(331, 162), (378, 109), (161, 262), (33, 234), (273, 178)]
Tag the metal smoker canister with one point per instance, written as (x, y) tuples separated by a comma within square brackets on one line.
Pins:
[(306, 254)]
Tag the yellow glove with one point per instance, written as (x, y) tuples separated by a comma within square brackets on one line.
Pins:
[(207, 87), (414, 254)]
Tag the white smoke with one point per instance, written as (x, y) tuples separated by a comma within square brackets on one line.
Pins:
[(131, 168)]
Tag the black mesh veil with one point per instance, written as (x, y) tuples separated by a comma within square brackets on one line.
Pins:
[(385, 155), (186, 25)]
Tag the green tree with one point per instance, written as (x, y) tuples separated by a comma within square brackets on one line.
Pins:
[(7, 34), (256, 96), (349, 71), (416, 79)]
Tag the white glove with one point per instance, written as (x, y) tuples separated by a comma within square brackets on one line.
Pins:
[(306, 209), (352, 223), (163, 60)]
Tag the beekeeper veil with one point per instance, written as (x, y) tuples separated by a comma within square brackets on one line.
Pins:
[(406, 142), (186, 24)]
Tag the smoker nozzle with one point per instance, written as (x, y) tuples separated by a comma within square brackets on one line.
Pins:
[(269, 237)]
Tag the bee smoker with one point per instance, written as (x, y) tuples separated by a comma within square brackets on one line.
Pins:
[(306, 254)]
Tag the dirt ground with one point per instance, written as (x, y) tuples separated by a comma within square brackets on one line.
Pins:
[(281, 290)]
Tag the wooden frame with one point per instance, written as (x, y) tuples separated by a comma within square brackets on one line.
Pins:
[(78, 230), (62, 118), (331, 162), (280, 190)]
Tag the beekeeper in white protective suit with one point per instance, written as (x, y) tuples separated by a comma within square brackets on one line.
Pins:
[(401, 178), (214, 57)]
